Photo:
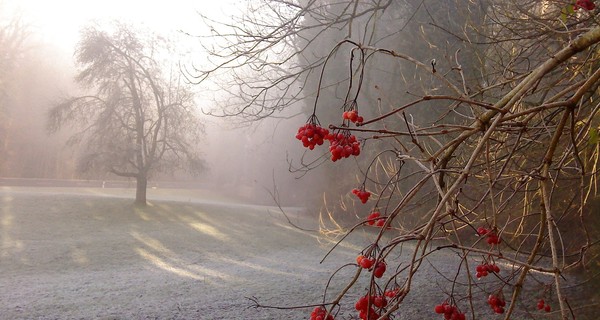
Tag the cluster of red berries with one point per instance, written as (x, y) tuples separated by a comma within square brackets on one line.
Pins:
[(365, 305), (449, 311), (542, 305), (320, 313), (361, 194), (492, 237), (367, 263), (343, 146), (311, 135), (353, 116), (372, 219), (496, 303), (364, 262), (486, 268), (585, 4)]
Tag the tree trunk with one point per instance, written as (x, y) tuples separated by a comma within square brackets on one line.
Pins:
[(140, 190)]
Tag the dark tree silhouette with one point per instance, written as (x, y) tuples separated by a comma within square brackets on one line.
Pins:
[(137, 120)]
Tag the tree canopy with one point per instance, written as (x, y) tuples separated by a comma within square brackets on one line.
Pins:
[(136, 119)]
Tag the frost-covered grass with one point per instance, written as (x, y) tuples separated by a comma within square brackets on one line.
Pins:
[(191, 254), (89, 253)]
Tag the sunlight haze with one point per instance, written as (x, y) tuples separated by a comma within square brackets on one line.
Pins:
[(59, 21)]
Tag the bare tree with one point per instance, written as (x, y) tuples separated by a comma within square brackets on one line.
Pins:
[(267, 54), (138, 120), (13, 36), (485, 140)]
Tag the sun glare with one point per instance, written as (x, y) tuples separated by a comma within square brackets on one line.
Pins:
[(59, 21)]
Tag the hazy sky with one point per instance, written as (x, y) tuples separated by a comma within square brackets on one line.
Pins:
[(59, 21)]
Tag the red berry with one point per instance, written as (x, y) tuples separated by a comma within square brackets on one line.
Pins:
[(439, 309), (311, 135), (380, 302), (547, 308), (482, 231), (319, 314), (493, 239), (372, 217), (391, 293), (366, 263), (448, 309), (540, 304), (362, 303), (343, 145), (585, 4), (364, 196), (359, 259), (379, 270)]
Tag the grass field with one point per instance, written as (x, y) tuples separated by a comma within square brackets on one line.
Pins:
[(91, 254), (71, 253)]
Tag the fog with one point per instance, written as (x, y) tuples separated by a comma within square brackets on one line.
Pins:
[(249, 160), (253, 161), (465, 108)]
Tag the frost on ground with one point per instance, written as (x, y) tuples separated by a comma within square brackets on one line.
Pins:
[(91, 254)]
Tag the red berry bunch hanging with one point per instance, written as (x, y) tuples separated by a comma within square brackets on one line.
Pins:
[(361, 194), (320, 313), (343, 145), (492, 237), (449, 311), (486, 268), (541, 305), (496, 303), (585, 4), (352, 116), (311, 135)]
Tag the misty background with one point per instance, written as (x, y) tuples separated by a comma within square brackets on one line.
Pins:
[(254, 153), (243, 158), (252, 96)]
